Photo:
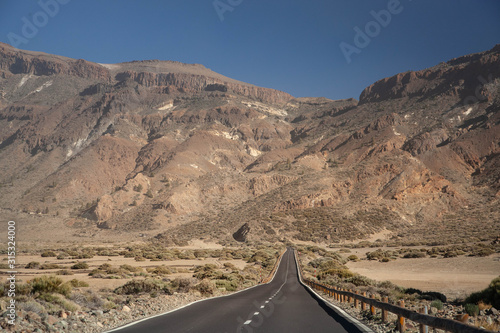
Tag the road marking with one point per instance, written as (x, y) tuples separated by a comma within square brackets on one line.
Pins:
[(267, 301), (256, 314), (247, 322), (198, 301), (262, 307)]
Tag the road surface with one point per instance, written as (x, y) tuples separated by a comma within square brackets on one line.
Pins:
[(283, 305)]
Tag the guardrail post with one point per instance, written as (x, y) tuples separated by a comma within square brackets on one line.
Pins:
[(363, 304), (356, 301), (424, 328), (372, 308), (384, 312), (349, 299), (401, 319)]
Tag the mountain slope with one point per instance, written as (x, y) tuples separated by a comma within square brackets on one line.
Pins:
[(176, 151)]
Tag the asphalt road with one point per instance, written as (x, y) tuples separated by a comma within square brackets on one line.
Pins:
[(283, 305)]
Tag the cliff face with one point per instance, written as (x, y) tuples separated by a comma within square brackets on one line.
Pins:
[(190, 83), (463, 77), (14, 61), (182, 152)]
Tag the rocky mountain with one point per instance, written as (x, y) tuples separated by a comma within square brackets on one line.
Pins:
[(175, 151)]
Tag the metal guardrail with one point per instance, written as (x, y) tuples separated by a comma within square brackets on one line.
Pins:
[(424, 320)]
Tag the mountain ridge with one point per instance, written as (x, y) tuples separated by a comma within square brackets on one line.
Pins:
[(111, 151)]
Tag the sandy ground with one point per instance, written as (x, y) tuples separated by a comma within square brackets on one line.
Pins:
[(184, 268), (454, 277)]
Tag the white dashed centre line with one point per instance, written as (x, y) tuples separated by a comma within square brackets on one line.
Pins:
[(247, 322), (256, 313)]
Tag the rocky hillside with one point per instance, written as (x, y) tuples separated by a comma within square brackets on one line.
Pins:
[(176, 151)]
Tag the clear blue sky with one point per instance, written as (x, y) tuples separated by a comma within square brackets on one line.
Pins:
[(290, 45)]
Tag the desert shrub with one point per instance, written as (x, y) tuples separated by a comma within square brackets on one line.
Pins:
[(114, 270), (260, 256), (87, 299), (490, 295), (342, 273), (414, 254), (48, 254), (72, 252), (437, 304), (230, 266), (49, 284), (159, 270), (85, 255), (207, 271), (181, 285), (359, 280), (330, 264), (64, 272), (97, 273), (109, 305), (386, 285), (22, 289), (228, 285), (131, 269), (450, 254), (32, 265), (353, 257), (32, 306), (49, 266), (143, 286), (62, 256), (205, 287), (375, 255), (61, 301), (77, 283), (104, 267), (482, 252), (471, 309), (80, 265), (325, 264)]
